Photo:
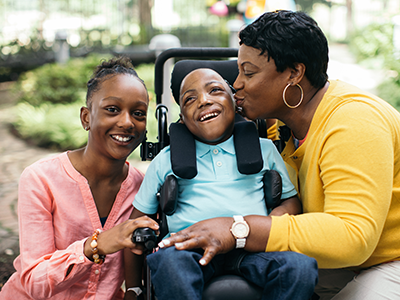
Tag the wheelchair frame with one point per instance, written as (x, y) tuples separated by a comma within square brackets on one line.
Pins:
[(149, 150)]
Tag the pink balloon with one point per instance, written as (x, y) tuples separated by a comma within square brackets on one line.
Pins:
[(219, 9)]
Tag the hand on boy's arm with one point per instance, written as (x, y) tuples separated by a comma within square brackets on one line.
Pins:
[(214, 236), (291, 206)]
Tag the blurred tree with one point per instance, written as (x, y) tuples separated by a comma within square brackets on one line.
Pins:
[(145, 19), (307, 5)]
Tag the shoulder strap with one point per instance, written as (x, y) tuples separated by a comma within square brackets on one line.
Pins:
[(247, 146), (183, 151)]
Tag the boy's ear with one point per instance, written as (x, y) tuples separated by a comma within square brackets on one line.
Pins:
[(297, 73), (85, 117), (181, 119)]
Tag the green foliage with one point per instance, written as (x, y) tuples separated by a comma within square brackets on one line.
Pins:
[(373, 48), (307, 5), (373, 45), (57, 83), (390, 91), (55, 126)]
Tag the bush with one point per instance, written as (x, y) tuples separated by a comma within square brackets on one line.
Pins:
[(54, 126), (57, 83), (373, 45)]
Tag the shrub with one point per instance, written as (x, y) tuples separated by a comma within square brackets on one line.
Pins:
[(57, 83), (373, 47)]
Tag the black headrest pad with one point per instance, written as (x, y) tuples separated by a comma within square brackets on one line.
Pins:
[(226, 68)]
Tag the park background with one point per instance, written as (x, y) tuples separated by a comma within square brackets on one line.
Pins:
[(48, 49)]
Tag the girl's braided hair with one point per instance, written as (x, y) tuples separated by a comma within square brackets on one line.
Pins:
[(106, 70)]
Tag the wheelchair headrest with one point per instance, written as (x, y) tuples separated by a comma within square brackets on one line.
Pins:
[(226, 68)]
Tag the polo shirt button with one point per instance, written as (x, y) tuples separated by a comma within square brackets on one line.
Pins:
[(81, 258), (215, 151), (219, 164), (96, 272), (295, 157)]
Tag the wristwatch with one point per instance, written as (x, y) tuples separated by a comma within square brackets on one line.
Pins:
[(137, 290), (240, 230)]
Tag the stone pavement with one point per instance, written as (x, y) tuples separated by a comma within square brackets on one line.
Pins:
[(16, 154)]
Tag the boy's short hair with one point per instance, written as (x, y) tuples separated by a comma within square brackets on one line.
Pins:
[(228, 70)]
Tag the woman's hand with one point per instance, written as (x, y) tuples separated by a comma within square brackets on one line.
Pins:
[(212, 235), (120, 237)]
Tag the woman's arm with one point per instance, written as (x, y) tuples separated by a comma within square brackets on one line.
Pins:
[(214, 236)]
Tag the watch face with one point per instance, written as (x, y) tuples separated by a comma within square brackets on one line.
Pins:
[(240, 230)]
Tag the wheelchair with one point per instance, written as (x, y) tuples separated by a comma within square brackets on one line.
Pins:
[(222, 287)]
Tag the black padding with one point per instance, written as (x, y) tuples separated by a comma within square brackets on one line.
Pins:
[(226, 68), (272, 188), (247, 146), (183, 151), (168, 195), (231, 287)]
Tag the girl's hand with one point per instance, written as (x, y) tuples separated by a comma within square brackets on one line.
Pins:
[(212, 235), (120, 237)]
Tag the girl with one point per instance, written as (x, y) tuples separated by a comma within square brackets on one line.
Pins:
[(74, 207)]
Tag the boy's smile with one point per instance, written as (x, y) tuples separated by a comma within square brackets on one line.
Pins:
[(207, 106)]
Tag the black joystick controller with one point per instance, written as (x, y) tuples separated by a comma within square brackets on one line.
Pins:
[(145, 236)]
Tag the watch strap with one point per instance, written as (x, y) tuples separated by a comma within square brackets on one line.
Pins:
[(137, 290), (240, 243), (238, 218)]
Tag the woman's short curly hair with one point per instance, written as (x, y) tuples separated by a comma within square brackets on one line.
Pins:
[(290, 37), (106, 70)]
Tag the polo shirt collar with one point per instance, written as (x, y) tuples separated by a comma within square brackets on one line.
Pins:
[(227, 146)]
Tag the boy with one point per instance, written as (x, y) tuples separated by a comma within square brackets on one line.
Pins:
[(208, 111)]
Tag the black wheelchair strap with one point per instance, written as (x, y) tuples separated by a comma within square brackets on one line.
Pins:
[(247, 146), (183, 151), (246, 141)]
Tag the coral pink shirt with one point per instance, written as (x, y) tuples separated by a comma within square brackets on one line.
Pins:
[(57, 214)]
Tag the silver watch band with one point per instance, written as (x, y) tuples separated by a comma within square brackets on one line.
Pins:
[(137, 290), (240, 243)]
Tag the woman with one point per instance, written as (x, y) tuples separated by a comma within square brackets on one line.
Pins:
[(65, 199), (343, 157)]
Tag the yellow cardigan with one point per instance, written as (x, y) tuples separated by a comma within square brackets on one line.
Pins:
[(347, 174)]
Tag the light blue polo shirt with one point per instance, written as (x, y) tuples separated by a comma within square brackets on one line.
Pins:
[(218, 190)]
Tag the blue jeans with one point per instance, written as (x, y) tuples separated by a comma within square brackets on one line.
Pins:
[(282, 275)]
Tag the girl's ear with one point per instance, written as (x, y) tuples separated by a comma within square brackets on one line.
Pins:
[(85, 117), (297, 73)]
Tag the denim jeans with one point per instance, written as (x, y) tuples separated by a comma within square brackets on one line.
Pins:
[(178, 275)]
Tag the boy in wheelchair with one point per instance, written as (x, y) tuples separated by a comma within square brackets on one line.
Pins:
[(218, 188)]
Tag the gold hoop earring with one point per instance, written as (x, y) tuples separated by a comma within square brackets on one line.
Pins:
[(301, 97)]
